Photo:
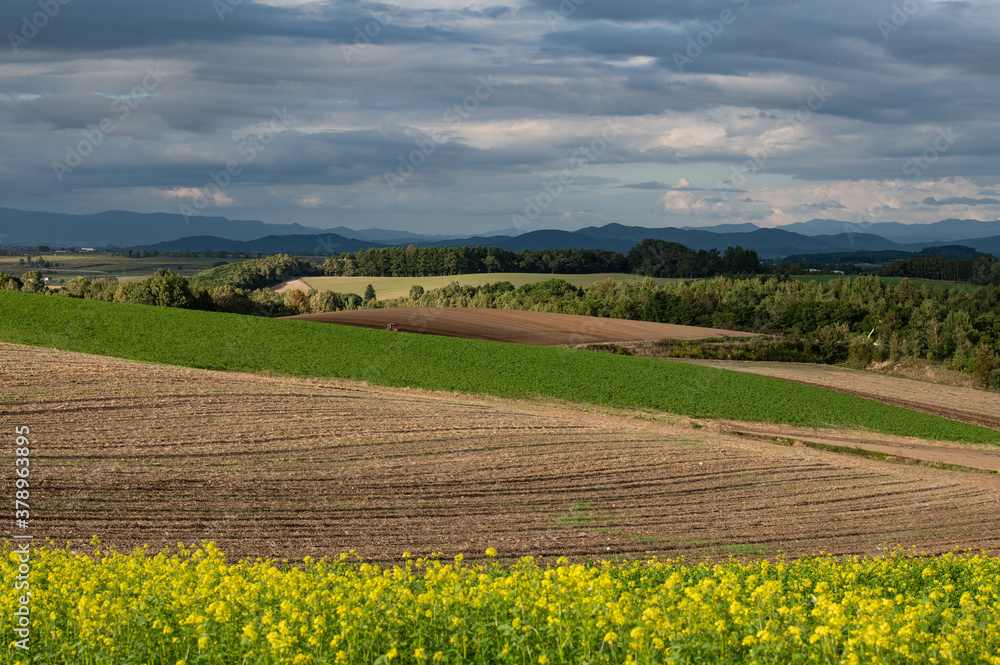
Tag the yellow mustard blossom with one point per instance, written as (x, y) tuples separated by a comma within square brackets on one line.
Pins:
[(104, 606)]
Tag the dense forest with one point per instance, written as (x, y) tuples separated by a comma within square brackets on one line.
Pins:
[(429, 261), (208, 254), (983, 270), (658, 258), (653, 258)]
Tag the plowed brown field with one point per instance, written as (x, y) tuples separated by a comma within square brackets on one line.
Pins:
[(508, 325), (291, 285), (138, 453)]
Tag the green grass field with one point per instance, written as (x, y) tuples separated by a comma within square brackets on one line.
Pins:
[(387, 288), (309, 349), (964, 286)]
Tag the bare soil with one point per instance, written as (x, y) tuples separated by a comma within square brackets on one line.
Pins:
[(508, 325), (291, 285), (286, 468), (924, 370)]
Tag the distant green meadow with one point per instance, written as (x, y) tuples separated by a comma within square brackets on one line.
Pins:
[(218, 341), (102, 265), (387, 288)]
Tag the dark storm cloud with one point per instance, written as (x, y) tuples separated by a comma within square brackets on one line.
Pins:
[(621, 10), (878, 80), (61, 110), (821, 205), (668, 188), (496, 11), (960, 200), (294, 158), (862, 89), (645, 185), (108, 25)]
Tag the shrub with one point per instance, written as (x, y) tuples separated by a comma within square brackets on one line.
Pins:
[(984, 365)]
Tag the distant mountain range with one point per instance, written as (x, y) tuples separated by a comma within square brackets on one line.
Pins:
[(885, 256), (118, 228), (766, 242), (322, 244), (169, 232), (389, 238), (948, 230)]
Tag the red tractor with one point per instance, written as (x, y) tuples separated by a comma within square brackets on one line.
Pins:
[(392, 326)]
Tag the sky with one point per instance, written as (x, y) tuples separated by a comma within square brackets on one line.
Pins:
[(451, 116)]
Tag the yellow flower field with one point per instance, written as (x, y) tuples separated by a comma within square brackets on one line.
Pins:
[(190, 606)]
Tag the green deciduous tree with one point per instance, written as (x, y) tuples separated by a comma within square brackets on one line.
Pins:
[(33, 282), (325, 301), (169, 290), (9, 282)]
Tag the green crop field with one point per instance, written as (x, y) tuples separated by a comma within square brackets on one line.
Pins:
[(395, 287), (964, 286), (304, 348)]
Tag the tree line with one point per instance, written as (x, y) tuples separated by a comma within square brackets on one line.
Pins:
[(653, 258), (207, 254), (415, 261), (658, 258), (983, 270)]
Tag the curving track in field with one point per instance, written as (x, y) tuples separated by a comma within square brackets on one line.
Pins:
[(978, 407), (509, 325), (139, 453)]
